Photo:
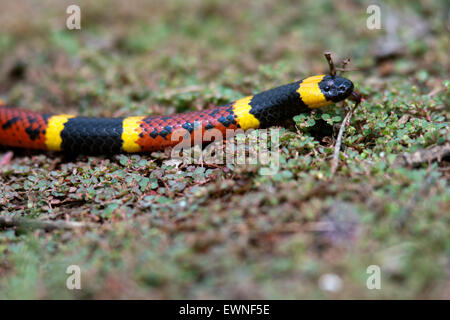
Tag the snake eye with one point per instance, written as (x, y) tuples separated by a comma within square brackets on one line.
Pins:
[(326, 89)]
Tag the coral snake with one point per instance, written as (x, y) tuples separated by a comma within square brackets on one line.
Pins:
[(75, 135)]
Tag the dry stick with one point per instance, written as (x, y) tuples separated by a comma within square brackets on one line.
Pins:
[(334, 162), (418, 157), (330, 63), (345, 62), (337, 148), (10, 222)]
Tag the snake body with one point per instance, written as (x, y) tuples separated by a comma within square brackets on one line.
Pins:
[(75, 135)]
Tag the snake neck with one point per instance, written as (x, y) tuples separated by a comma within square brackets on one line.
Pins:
[(273, 106)]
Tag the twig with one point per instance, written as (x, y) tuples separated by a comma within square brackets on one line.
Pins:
[(47, 225), (343, 68), (418, 157), (345, 62), (337, 148), (435, 91), (348, 70), (330, 63)]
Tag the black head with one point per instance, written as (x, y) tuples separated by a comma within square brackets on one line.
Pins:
[(335, 88)]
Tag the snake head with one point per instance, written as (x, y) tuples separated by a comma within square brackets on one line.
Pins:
[(336, 88)]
